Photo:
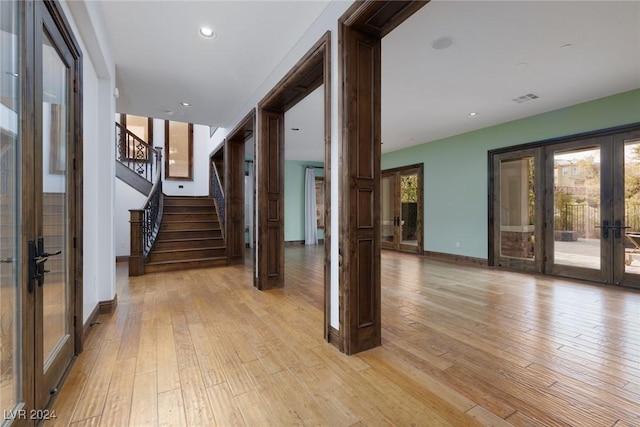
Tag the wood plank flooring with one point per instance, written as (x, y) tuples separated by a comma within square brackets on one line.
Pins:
[(462, 346)]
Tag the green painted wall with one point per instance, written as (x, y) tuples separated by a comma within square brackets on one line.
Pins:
[(455, 168), (294, 199)]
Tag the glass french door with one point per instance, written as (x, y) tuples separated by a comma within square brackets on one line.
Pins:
[(596, 209), (579, 209), (53, 279), (401, 209), (37, 216), (517, 209), (570, 209)]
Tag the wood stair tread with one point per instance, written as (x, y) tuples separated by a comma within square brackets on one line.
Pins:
[(194, 239), (164, 251)]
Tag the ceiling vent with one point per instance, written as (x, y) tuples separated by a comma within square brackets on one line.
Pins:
[(525, 98)]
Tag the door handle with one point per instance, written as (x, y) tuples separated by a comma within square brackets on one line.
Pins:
[(618, 227), (605, 229), (37, 258)]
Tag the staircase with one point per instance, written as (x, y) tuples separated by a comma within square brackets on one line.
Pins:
[(190, 236)]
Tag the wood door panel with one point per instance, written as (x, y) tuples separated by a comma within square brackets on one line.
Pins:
[(365, 301)]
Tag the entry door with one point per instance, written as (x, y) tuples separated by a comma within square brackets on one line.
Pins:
[(51, 246), (593, 212), (401, 209)]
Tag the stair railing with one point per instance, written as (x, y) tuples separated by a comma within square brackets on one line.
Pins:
[(136, 154), (218, 196), (145, 222)]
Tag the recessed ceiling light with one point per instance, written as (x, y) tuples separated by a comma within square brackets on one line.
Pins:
[(185, 104), (473, 114), (207, 33), (442, 43)]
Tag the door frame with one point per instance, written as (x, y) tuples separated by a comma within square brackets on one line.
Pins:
[(418, 169), (234, 190), (312, 71)]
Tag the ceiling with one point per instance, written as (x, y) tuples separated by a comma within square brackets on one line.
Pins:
[(161, 61), (563, 52)]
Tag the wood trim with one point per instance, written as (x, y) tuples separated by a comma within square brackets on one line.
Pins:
[(300, 242), (456, 259), (327, 186), (333, 337), (379, 18), (93, 318), (567, 138), (109, 306)]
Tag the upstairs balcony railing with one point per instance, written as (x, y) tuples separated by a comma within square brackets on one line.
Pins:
[(136, 154)]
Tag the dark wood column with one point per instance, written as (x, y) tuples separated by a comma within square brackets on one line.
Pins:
[(360, 188), (361, 29), (270, 219), (234, 192)]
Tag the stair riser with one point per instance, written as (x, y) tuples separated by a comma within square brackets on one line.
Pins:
[(189, 209), (187, 202), (189, 225), (157, 268), (186, 255), (172, 216), (189, 244), (188, 234)]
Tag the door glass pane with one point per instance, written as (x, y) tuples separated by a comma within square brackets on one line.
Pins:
[(179, 152), (134, 150), (55, 207), (632, 206), (576, 210), (387, 212), (409, 209), (517, 208), (10, 201)]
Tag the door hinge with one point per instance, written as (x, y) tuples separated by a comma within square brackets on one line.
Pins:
[(75, 85), (74, 164), (74, 242)]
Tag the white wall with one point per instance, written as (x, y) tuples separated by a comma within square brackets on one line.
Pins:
[(126, 198), (99, 154)]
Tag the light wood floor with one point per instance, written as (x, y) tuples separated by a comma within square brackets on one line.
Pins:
[(462, 346)]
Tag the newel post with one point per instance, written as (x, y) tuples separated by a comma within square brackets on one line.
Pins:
[(136, 258)]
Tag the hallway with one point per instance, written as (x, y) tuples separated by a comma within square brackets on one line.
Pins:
[(461, 346)]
